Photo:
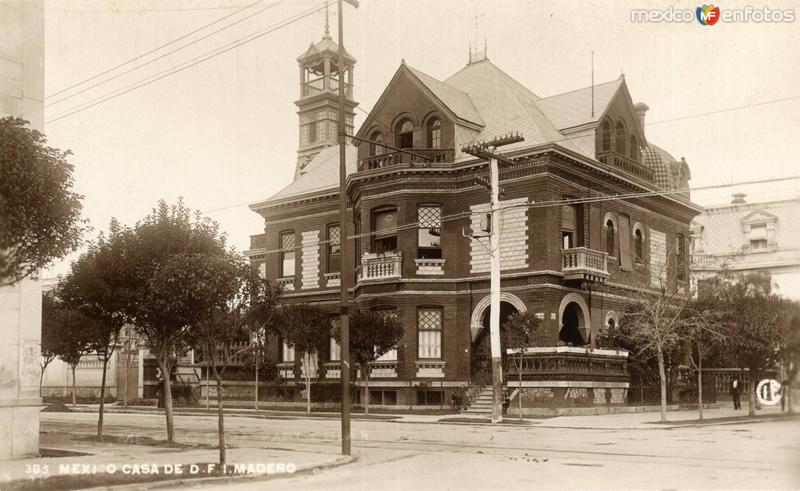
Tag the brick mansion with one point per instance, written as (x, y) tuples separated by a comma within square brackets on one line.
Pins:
[(418, 246)]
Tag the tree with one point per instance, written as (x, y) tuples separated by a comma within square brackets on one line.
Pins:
[(305, 327), (70, 333), (704, 330), (653, 322), (790, 347), (373, 333), (232, 279), (522, 330), (261, 315), (163, 292), (51, 316), (39, 212), (93, 287), (751, 315)]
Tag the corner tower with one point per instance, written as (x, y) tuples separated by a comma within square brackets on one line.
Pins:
[(318, 106)]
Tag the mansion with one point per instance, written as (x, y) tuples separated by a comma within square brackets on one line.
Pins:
[(571, 253)]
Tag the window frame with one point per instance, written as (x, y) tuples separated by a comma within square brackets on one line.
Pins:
[(440, 330), (383, 237), (620, 137), (330, 256), (400, 134), (420, 229), (285, 251), (434, 132)]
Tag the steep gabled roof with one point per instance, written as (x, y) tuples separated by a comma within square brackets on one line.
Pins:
[(504, 104), (321, 174), (574, 108), (456, 100)]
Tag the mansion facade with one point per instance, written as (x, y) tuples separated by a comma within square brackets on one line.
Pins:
[(571, 252)]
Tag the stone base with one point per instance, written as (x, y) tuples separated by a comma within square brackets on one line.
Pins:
[(19, 430)]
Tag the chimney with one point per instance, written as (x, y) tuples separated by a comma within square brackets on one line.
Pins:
[(738, 199), (641, 109)]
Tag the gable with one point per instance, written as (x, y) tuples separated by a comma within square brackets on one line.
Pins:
[(758, 216), (620, 106)]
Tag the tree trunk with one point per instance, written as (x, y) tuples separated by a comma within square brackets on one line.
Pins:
[(788, 396), (256, 389), (663, 382), (220, 419), (641, 388), (519, 394), (162, 363), (102, 400), (308, 382), (751, 398), (74, 401), (366, 391), (41, 378), (700, 384)]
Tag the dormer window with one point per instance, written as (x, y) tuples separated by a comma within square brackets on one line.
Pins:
[(635, 153), (758, 237), (606, 136), (759, 230), (376, 139), (405, 134), (620, 137), (435, 133)]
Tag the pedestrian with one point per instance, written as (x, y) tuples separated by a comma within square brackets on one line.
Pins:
[(784, 392), (736, 393), (160, 388)]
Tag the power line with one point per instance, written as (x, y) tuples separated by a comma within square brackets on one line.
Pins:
[(545, 204), (195, 61), (162, 56)]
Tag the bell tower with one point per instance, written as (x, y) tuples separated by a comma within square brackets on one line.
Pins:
[(318, 106)]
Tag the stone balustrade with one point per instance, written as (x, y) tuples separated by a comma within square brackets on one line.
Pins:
[(567, 363), (379, 266), (584, 264)]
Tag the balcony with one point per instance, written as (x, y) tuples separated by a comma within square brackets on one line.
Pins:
[(317, 86), (626, 164), (379, 266), (423, 156), (583, 264), (569, 364)]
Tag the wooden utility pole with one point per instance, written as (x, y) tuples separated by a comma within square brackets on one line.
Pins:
[(344, 318), (487, 151)]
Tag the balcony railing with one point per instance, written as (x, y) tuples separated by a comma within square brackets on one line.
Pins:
[(423, 155), (568, 363), (379, 266), (581, 263), (317, 86), (626, 164)]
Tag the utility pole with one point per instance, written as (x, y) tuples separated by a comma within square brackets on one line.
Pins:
[(487, 151), (344, 318)]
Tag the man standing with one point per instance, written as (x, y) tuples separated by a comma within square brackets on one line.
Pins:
[(736, 393)]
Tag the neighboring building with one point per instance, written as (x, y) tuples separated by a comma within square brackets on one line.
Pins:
[(572, 265), (21, 93), (750, 236)]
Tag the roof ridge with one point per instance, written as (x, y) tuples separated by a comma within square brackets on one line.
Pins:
[(582, 88)]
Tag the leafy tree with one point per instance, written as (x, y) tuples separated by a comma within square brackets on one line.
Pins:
[(790, 347), (39, 212), (522, 330), (704, 330), (262, 314), (751, 315), (373, 333), (164, 293), (93, 287), (51, 316), (305, 327)]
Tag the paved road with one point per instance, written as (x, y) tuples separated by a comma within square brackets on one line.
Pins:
[(421, 456)]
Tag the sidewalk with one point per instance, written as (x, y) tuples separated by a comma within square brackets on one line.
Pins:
[(72, 463)]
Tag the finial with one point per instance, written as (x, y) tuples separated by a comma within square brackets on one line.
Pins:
[(327, 23)]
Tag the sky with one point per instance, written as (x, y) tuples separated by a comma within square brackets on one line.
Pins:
[(223, 132)]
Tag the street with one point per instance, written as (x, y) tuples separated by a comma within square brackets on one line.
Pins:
[(408, 455)]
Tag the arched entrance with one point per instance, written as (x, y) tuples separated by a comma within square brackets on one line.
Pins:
[(576, 325), (480, 352)]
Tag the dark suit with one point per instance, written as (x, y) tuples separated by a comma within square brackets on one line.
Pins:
[(736, 393)]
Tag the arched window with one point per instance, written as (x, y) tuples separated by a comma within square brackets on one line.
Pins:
[(375, 139), (620, 137), (405, 134), (638, 245), (634, 150), (434, 133), (610, 239), (605, 136)]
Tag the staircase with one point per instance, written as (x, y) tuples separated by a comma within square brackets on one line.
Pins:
[(482, 405)]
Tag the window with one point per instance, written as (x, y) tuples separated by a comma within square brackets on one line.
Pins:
[(390, 355), (605, 136), (287, 354), (634, 150), (758, 237), (638, 245), (334, 348), (384, 226), (334, 249), (680, 257), (610, 239), (376, 138), (405, 134), (429, 398), (434, 133), (429, 333), (429, 240), (569, 220), (621, 136), (312, 132), (287, 254)]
